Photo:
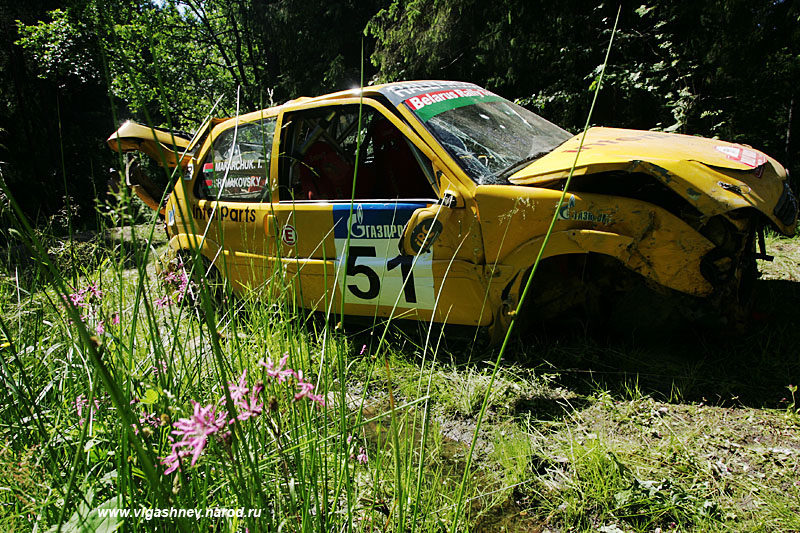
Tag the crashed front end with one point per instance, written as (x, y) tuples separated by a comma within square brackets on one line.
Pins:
[(683, 213)]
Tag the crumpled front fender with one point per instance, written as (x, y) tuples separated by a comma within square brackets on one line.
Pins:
[(644, 238)]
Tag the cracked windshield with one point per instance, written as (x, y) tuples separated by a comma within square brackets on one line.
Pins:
[(490, 137)]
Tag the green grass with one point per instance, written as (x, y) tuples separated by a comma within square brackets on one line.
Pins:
[(579, 433)]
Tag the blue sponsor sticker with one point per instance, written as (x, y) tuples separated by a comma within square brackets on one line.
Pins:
[(373, 221)]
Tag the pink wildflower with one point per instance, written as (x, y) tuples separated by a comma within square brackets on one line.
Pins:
[(238, 390), (306, 391), (115, 319), (363, 349), (176, 281), (81, 402), (94, 290), (147, 419), (160, 369), (163, 302), (76, 298), (195, 430), (278, 371), (101, 327), (173, 460), (151, 419), (362, 456), (86, 296), (317, 398), (184, 283), (250, 406)]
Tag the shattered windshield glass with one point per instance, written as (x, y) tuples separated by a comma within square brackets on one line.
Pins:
[(490, 137)]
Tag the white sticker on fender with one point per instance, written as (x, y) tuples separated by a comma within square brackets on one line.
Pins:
[(746, 156), (376, 273)]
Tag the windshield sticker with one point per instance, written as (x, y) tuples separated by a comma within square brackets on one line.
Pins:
[(397, 93), (430, 104), (375, 273), (751, 158)]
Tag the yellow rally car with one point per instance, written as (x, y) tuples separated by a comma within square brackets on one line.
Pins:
[(453, 189)]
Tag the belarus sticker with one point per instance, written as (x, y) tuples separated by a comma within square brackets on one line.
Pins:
[(289, 235), (432, 103), (745, 156)]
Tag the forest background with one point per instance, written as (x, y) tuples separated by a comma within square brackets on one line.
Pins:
[(72, 71)]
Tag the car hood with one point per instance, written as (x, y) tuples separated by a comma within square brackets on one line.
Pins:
[(715, 176)]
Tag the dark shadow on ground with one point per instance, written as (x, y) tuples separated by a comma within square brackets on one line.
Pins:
[(690, 363), (700, 361)]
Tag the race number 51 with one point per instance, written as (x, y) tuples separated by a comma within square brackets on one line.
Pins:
[(373, 279)]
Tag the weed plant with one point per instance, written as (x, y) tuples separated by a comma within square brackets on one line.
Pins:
[(130, 390)]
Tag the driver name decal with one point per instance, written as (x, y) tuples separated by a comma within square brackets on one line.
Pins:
[(244, 164), (375, 272)]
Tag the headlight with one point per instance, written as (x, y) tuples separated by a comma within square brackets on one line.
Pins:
[(786, 209)]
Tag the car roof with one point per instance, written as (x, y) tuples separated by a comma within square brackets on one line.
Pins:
[(395, 92)]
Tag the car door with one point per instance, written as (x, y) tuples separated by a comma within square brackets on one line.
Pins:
[(344, 204), (331, 246), (233, 192)]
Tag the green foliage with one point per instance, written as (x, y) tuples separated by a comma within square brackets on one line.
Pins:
[(720, 68), (72, 74), (726, 68), (553, 448), (59, 48), (717, 68)]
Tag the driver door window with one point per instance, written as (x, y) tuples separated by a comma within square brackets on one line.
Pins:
[(320, 150)]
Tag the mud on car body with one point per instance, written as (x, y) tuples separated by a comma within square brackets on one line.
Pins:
[(429, 200)]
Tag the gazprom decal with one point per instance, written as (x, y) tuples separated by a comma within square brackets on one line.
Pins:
[(375, 272), (568, 212)]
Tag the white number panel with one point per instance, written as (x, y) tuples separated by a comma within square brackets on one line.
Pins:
[(375, 270)]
